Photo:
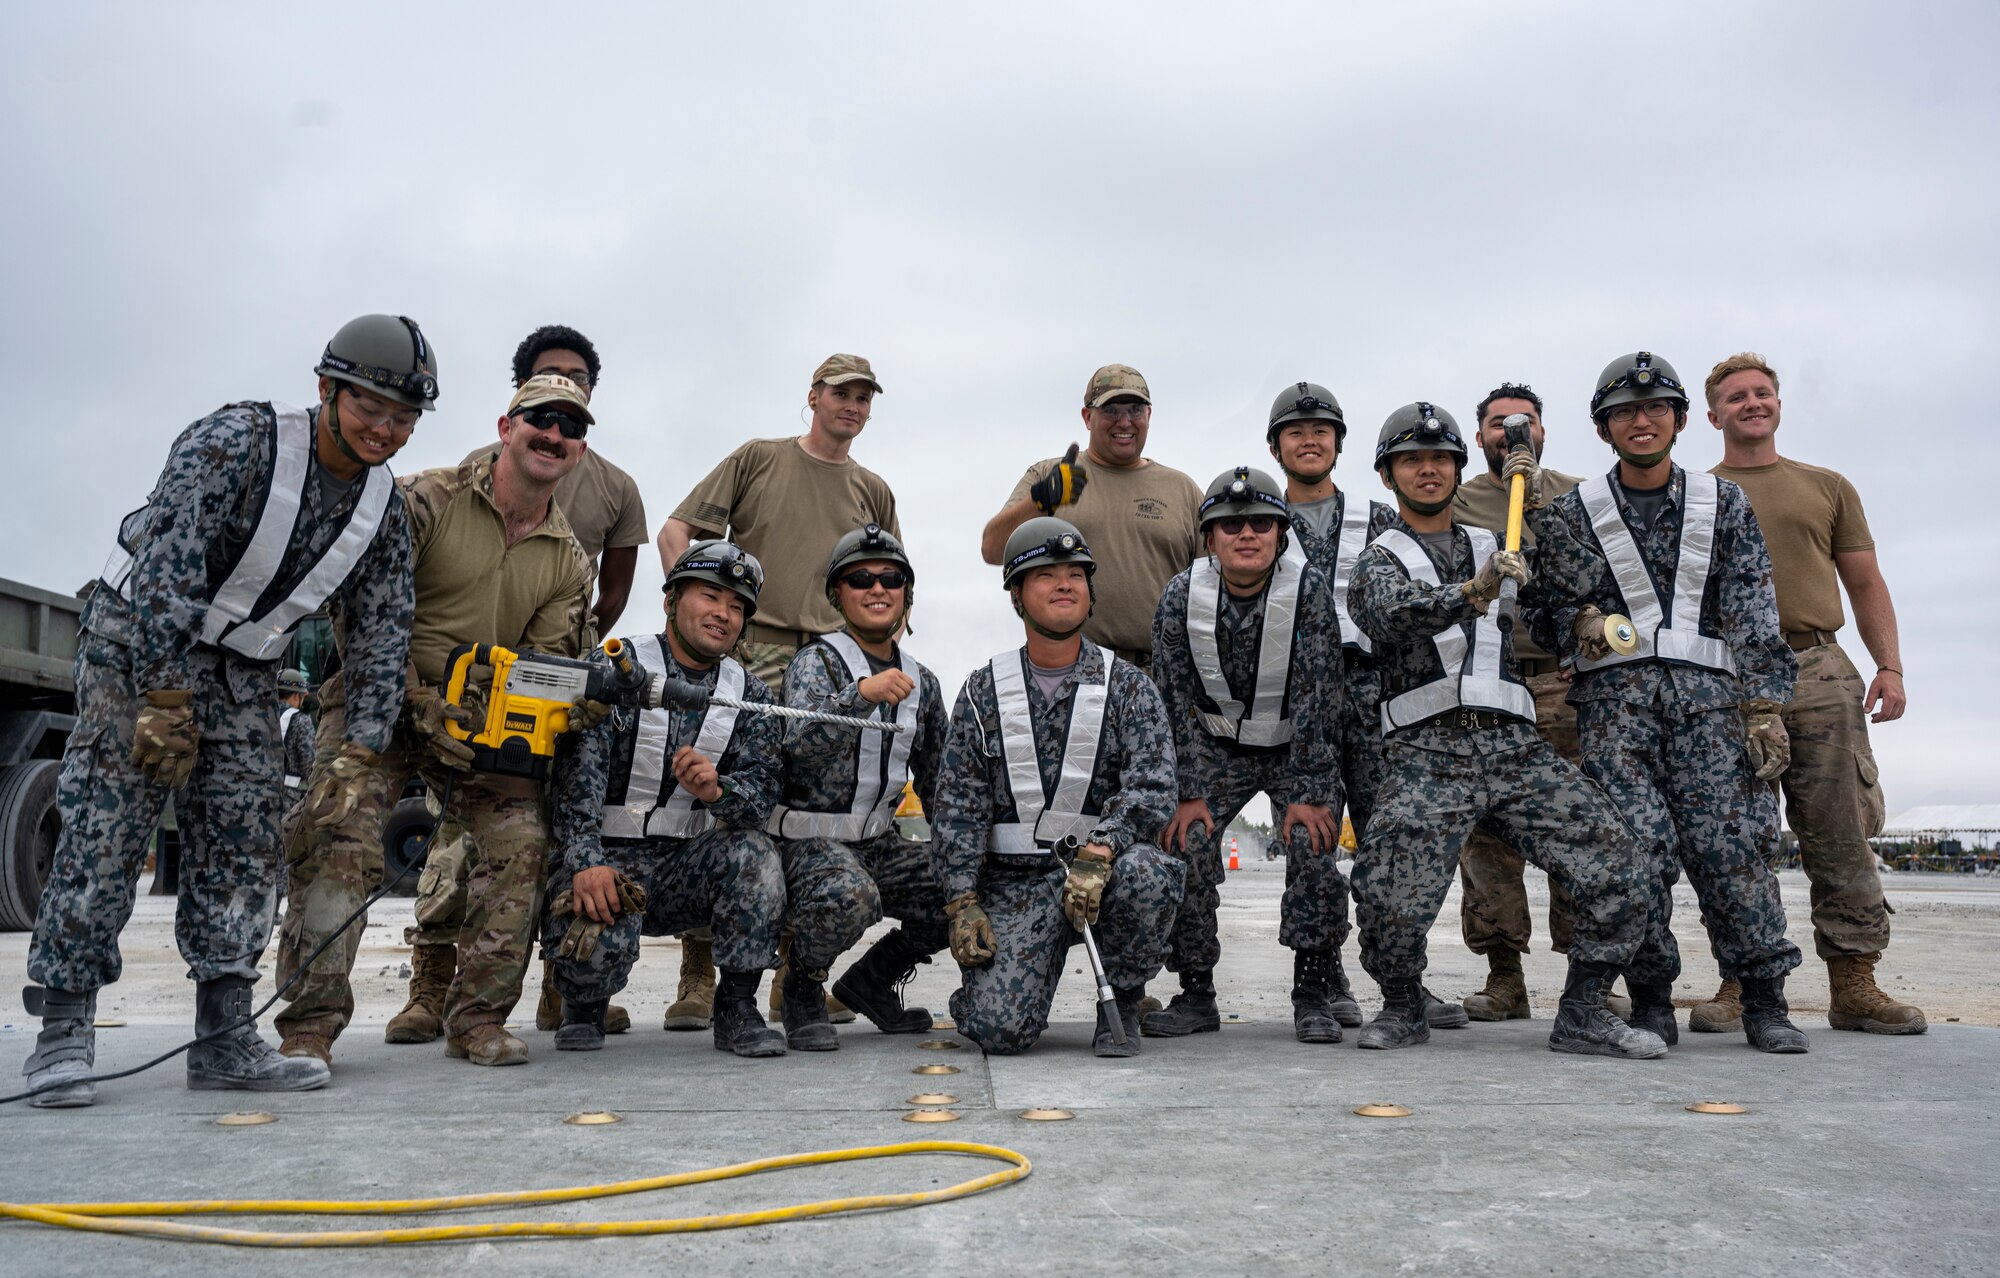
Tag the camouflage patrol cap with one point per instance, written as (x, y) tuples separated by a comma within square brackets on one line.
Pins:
[(836, 370), (1115, 381), (552, 388)]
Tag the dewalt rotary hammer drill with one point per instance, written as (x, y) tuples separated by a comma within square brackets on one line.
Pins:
[(533, 696)]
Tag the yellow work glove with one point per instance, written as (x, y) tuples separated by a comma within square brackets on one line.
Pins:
[(428, 712), (1589, 631), (1521, 461), (1083, 890), (1765, 739), (972, 939), (338, 788), (1061, 486), (1484, 587), (165, 738), (580, 941)]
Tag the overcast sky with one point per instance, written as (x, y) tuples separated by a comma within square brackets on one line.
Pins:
[(1399, 201)]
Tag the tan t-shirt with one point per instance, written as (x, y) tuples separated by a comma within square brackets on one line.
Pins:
[(787, 507), (1141, 526), (1481, 501), (472, 587), (1808, 514), (600, 501)]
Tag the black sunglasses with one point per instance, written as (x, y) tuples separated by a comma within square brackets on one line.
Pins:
[(865, 579), (544, 418), (1259, 524)]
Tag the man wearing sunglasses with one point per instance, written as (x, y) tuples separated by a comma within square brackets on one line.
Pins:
[(263, 513), (846, 864), (1461, 748), (1057, 738), (1138, 515), (1686, 731), (1246, 654), (495, 564)]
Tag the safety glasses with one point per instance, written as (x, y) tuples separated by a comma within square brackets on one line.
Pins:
[(866, 579), (549, 418), (1259, 524)]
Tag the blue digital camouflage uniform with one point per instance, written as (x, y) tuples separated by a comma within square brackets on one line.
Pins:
[(837, 890), (203, 511), (1003, 1005), (298, 750), (1439, 782), (1666, 741), (1313, 913), (728, 877), (1360, 746)]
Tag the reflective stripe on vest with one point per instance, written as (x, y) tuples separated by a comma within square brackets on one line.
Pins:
[(1677, 638), (879, 775), (285, 718), (1474, 679), (231, 621), (1265, 724), (655, 806), (1039, 821), (1353, 540)]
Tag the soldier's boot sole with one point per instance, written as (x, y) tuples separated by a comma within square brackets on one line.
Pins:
[(1506, 1006), (1182, 1017), (1624, 1043), (298, 1074), (417, 1023), (1384, 1034), (1777, 1037), (1439, 1014), (578, 1037), (1869, 1025), (763, 1042), (1315, 1026), (75, 1093), (498, 1050)]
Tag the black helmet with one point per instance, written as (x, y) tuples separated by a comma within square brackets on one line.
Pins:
[(1630, 378), (1244, 491), (1305, 401), (720, 563), (870, 541), (1416, 428), (1044, 540), (386, 354)]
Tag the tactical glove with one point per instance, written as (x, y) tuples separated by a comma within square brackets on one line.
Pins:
[(1522, 462), (338, 788), (428, 712), (1765, 739), (1589, 631), (972, 939), (580, 941), (165, 739), (587, 714), (1083, 890), (1061, 486), (1484, 587)]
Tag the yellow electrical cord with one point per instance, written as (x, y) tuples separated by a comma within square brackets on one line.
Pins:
[(91, 1216)]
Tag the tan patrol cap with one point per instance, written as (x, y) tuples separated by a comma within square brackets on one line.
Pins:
[(836, 369), (552, 388), (1115, 381)]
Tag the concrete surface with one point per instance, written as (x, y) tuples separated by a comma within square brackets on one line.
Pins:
[(1233, 1152)]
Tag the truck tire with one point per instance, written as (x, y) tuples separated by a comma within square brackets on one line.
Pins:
[(29, 824)]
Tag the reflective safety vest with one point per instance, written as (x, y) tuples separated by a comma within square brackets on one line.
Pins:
[(1040, 819), (1473, 676), (654, 805), (1263, 723), (879, 770), (242, 616), (285, 718), (1674, 633), (1354, 516)]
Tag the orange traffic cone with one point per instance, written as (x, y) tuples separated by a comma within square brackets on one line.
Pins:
[(1234, 864)]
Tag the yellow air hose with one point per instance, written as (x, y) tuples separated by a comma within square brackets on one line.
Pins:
[(92, 1216)]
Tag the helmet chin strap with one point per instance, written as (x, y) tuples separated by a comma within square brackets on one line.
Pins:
[(1303, 477), (331, 415), (1645, 461), (674, 620), (1056, 636), (1424, 507)]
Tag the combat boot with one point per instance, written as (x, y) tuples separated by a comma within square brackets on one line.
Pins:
[(234, 1056), (691, 1008), (1401, 1021), (806, 1026), (1766, 1019), (1505, 997), (487, 1044), (873, 985), (582, 1028), (422, 1018), (1722, 1014), (1192, 1011), (1340, 995), (1653, 1009), (1442, 1015), (58, 1070), (1859, 1004), (1312, 1007), (1585, 1027), (738, 1027), (1104, 1043), (549, 1013)]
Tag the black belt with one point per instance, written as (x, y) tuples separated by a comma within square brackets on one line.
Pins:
[(1800, 640), (757, 632), (1464, 720)]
